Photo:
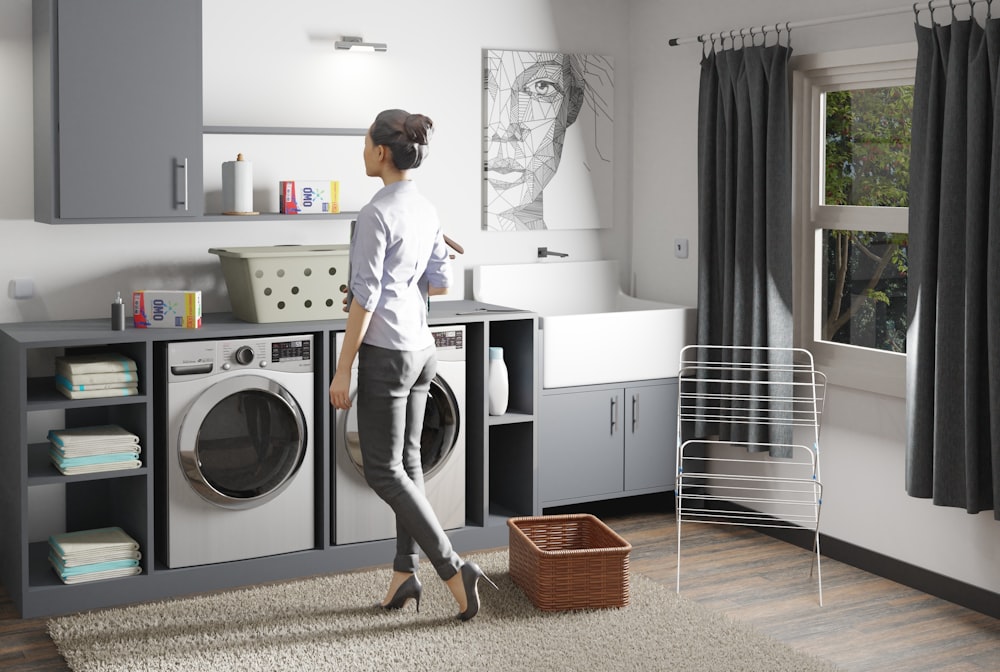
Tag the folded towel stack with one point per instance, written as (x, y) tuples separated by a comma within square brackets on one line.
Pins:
[(83, 450), (90, 555), (106, 374)]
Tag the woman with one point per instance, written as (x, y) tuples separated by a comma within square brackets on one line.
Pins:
[(398, 258)]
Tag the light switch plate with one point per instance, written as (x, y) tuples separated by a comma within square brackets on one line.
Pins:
[(681, 248)]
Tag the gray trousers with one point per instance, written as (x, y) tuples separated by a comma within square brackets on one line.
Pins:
[(393, 387)]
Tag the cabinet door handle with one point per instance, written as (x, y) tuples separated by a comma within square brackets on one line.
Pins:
[(614, 414), (635, 412), (185, 167)]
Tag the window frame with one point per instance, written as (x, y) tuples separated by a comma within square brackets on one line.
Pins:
[(813, 75)]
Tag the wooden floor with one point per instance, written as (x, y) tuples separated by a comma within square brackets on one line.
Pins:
[(866, 623)]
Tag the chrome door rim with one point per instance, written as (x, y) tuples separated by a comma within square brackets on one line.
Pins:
[(187, 438)]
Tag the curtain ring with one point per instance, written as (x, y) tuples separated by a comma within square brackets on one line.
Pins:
[(930, 8), (788, 34), (989, 9), (752, 37), (953, 17), (743, 39)]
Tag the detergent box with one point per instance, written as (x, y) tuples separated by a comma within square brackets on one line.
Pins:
[(178, 309), (308, 197)]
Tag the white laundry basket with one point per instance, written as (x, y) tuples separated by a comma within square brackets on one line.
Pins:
[(286, 283)]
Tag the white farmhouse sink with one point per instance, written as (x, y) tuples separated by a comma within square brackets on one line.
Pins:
[(592, 332)]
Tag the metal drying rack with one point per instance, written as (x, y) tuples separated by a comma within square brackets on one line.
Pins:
[(748, 425)]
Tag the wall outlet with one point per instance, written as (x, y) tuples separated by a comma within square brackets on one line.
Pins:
[(21, 288), (681, 248)]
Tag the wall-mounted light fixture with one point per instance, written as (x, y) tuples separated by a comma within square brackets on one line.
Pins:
[(352, 43)]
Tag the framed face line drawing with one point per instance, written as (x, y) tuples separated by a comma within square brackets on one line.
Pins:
[(547, 141)]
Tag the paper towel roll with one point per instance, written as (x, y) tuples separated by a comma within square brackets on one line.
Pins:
[(237, 187)]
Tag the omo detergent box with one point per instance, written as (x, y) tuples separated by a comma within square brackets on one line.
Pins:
[(308, 197), (178, 309)]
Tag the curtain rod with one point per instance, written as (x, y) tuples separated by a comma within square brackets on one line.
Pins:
[(788, 26)]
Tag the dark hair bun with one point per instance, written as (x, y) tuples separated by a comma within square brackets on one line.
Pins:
[(406, 135), (418, 128)]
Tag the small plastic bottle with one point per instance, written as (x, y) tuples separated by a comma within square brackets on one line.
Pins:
[(118, 313)]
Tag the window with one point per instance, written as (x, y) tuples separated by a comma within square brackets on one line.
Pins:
[(852, 113)]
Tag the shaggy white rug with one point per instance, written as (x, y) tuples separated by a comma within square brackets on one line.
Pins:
[(329, 623)]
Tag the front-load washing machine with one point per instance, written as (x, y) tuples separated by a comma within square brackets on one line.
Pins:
[(361, 515), (239, 466)]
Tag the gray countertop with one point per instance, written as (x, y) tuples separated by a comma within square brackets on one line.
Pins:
[(96, 331)]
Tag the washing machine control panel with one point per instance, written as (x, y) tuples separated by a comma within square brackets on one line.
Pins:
[(202, 358), (294, 350), (450, 343)]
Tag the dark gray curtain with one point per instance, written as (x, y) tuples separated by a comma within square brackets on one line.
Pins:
[(953, 343), (744, 209)]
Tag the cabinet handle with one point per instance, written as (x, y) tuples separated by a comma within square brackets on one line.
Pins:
[(635, 412), (614, 414), (185, 201)]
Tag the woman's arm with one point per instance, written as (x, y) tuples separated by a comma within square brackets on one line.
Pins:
[(358, 320)]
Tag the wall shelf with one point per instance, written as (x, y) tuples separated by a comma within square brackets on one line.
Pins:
[(282, 130)]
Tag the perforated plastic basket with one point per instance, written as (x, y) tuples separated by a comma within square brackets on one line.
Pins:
[(285, 283)]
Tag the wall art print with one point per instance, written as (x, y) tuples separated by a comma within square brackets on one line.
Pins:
[(547, 150)]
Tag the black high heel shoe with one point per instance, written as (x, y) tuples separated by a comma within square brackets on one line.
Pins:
[(409, 589), (470, 580)]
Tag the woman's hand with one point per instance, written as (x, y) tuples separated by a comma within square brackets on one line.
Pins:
[(340, 389)]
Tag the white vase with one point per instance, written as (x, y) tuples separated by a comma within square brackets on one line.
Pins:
[(498, 386)]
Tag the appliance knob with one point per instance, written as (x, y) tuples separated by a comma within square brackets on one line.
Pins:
[(244, 354)]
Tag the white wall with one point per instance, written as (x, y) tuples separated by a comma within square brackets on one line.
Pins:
[(265, 65), (249, 43), (863, 439)]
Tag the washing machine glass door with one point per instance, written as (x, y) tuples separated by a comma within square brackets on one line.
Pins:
[(437, 439), (242, 441)]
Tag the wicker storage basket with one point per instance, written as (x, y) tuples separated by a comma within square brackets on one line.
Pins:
[(569, 562)]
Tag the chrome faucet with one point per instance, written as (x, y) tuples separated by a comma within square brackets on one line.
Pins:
[(546, 252)]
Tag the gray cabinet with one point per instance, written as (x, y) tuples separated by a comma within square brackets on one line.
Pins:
[(500, 469), (600, 442), (118, 109)]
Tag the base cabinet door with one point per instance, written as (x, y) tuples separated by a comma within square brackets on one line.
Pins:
[(605, 442), (651, 436), (580, 445)]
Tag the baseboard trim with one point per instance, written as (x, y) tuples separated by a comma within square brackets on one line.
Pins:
[(941, 586)]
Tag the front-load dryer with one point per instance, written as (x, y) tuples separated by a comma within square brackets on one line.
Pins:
[(239, 465), (360, 514)]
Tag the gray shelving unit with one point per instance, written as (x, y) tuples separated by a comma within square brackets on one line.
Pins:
[(501, 455)]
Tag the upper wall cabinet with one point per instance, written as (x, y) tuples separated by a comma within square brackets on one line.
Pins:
[(118, 109)]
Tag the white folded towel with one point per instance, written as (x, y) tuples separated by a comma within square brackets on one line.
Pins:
[(101, 362), (94, 394), (67, 544), (97, 468), (76, 436), (101, 378)]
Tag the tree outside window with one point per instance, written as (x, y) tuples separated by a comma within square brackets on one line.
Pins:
[(866, 164)]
